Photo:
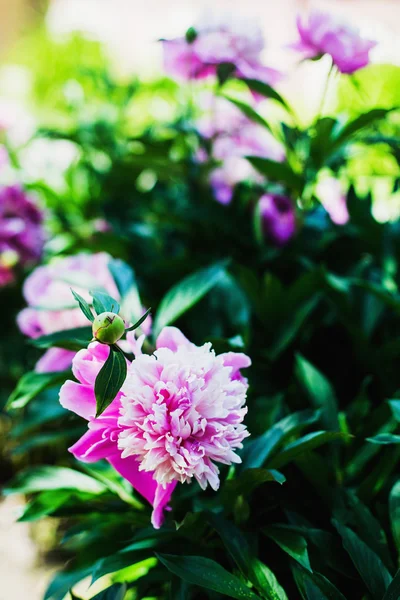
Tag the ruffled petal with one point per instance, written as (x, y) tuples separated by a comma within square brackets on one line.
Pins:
[(94, 445)]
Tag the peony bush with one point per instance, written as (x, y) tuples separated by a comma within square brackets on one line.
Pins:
[(240, 438)]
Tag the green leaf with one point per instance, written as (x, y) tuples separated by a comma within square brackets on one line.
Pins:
[(185, 294), (314, 586), (395, 408), (372, 570), (292, 324), (364, 120), (140, 321), (279, 172), (123, 559), (319, 391), (234, 541), (110, 379), (208, 574), (124, 277), (62, 583), (384, 438), (115, 592), (248, 481), (70, 339), (257, 451), (31, 384), (44, 504), (83, 305), (265, 90), (393, 591), (249, 112), (291, 542), (114, 482), (238, 547), (305, 444), (104, 303), (267, 582), (39, 479), (394, 512)]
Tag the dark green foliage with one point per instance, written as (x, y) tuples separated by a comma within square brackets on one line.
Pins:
[(313, 510)]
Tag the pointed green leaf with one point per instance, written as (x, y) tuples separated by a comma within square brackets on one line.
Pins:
[(39, 479), (372, 570), (319, 391), (393, 591), (257, 451), (305, 444), (394, 512), (185, 294), (140, 321), (83, 305), (278, 172), (32, 384), (249, 112), (69, 339), (208, 574), (314, 586), (110, 379), (291, 542), (265, 90), (395, 408), (384, 439), (104, 303)]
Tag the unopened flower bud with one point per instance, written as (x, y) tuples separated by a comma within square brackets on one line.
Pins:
[(108, 328)]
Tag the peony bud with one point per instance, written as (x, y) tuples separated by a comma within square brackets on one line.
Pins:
[(108, 328)]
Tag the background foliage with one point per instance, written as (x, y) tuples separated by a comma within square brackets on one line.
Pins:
[(313, 511)]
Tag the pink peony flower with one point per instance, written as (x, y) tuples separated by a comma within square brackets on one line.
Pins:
[(278, 218), (322, 34), (219, 41), (234, 136), (21, 231), (179, 412), (51, 305), (329, 191)]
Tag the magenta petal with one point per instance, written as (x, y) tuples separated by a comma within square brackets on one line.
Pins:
[(93, 446), (78, 398), (172, 338), (143, 482), (55, 359), (162, 497)]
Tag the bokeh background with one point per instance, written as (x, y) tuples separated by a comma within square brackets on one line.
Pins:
[(128, 31)]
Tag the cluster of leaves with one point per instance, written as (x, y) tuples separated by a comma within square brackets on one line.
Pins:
[(313, 511)]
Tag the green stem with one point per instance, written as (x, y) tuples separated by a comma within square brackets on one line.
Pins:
[(325, 92)]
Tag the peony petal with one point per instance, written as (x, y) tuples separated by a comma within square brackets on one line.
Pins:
[(161, 499), (78, 398), (88, 362), (55, 359), (142, 482), (93, 446), (172, 338)]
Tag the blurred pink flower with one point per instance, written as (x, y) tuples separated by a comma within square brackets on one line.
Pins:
[(51, 304), (278, 218), (323, 34), (21, 231), (219, 41), (179, 410), (330, 193), (233, 137)]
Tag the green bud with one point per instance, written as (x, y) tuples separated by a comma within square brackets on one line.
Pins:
[(191, 35), (108, 328)]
